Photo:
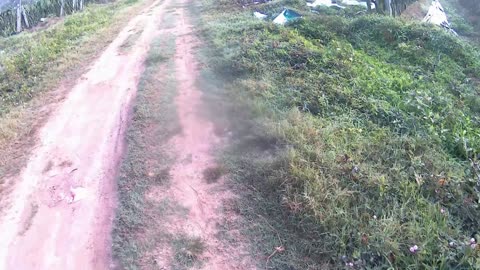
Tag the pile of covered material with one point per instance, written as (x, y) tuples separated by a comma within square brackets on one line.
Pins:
[(286, 16), (436, 15), (259, 15)]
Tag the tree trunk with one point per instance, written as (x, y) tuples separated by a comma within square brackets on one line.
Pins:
[(25, 18), (369, 6), (74, 5), (62, 7), (387, 8), (380, 6), (19, 17), (81, 4)]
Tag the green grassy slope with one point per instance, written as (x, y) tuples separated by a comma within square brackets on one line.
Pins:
[(378, 122)]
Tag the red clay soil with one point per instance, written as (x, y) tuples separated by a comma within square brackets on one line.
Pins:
[(60, 212)]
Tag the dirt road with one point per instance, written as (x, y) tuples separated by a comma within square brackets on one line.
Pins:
[(60, 211), (62, 207)]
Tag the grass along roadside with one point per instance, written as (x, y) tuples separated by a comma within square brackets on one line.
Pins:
[(31, 64), (140, 217), (356, 138)]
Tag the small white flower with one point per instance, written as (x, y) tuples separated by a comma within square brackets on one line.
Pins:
[(374, 217), (473, 246), (451, 244), (413, 249), (472, 240), (442, 211)]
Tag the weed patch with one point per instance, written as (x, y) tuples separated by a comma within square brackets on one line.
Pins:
[(213, 174), (130, 41), (187, 252)]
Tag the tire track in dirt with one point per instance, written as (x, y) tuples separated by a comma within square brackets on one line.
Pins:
[(61, 209)]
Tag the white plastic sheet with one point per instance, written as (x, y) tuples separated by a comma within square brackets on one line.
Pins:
[(327, 3), (355, 3), (259, 15), (343, 3), (436, 14)]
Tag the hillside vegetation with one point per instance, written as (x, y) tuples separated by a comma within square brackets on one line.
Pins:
[(373, 124), (26, 59)]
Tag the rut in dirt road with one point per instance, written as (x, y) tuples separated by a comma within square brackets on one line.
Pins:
[(61, 209)]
